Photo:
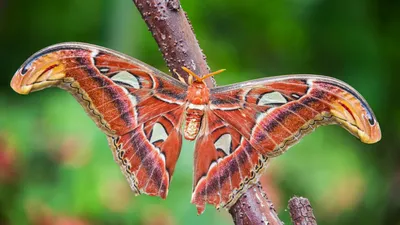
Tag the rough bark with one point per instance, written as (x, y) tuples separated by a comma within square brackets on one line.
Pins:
[(301, 211), (174, 35), (254, 207)]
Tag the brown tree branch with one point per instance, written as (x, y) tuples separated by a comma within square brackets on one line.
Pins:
[(174, 35), (301, 211), (254, 207)]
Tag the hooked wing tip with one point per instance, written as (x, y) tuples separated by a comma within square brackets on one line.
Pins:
[(20, 89), (358, 121), (373, 136)]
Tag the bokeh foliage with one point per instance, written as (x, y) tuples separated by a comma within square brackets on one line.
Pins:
[(55, 165)]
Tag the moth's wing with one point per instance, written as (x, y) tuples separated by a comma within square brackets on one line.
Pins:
[(224, 163), (147, 155), (129, 101), (273, 113), (118, 92), (270, 115)]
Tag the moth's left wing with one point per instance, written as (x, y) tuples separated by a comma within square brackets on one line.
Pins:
[(262, 119), (139, 108)]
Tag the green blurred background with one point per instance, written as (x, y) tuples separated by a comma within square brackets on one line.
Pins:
[(56, 167)]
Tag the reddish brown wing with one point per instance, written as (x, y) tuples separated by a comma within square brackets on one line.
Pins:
[(138, 107), (224, 163), (262, 119), (148, 154)]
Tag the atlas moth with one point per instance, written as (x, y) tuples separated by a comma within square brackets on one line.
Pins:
[(237, 127)]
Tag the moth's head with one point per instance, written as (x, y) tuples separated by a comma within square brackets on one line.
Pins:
[(41, 70), (197, 78)]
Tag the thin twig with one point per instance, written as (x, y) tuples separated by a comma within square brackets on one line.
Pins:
[(301, 211)]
